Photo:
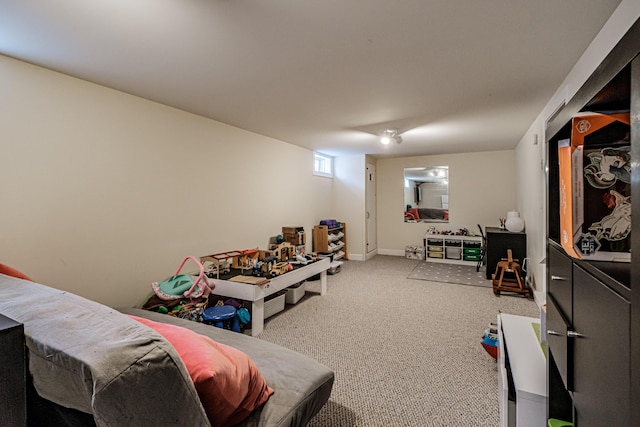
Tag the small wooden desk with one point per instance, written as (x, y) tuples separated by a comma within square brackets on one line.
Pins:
[(498, 241), (257, 293)]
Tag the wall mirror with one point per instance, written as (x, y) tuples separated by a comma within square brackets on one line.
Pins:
[(426, 194)]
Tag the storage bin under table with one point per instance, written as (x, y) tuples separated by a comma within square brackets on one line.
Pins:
[(295, 293), (274, 304)]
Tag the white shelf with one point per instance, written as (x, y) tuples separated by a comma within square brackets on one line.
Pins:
[(332, 237), (527, 364), (439, 241), (333, 247)]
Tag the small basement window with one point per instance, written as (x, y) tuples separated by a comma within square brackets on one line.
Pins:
[(322, 165)]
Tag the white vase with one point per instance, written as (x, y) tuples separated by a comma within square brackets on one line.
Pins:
[(514, 223)]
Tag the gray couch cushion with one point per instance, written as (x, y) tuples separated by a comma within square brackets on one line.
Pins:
[(301, 385), (86, 356)]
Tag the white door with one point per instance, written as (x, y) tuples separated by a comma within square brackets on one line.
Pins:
[(372, 239)]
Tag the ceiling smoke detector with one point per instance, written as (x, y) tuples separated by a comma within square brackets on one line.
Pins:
[(389, 135)]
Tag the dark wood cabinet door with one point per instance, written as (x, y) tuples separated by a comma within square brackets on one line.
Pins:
[(13, 403), (601, 353), (560, 281), (557, 340)]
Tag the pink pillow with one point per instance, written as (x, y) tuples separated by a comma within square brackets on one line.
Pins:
[(9, 271), (228, 382)]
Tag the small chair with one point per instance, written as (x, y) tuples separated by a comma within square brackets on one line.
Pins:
[(217, 315), (507, 277)]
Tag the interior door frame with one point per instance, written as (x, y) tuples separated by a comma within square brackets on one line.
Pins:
[(371, 217)]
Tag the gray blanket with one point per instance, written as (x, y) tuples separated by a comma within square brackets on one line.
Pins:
[(86, 356)]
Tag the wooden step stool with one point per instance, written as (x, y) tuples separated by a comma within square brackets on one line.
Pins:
[(507, 277)]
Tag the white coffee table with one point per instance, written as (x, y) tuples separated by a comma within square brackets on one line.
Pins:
[(257, 293)]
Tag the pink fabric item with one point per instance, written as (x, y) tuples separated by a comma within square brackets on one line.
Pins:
[(10, 271), (228, 382)]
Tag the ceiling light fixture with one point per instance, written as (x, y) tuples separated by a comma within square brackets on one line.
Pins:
[(389, 135)]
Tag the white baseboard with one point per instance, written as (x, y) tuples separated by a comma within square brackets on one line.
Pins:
[(394, 252), (539, 298)]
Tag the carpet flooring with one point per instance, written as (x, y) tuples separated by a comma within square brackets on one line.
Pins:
[(450, 273), (404, 354)]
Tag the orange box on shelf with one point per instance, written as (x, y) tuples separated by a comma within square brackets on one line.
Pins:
[(595, 177)]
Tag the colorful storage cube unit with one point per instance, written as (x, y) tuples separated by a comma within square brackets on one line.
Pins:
[(595, 190)]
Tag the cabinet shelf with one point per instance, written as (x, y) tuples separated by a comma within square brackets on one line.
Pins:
[(591, 307)]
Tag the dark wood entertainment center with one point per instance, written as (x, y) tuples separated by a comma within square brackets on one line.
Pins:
[(592, 309)]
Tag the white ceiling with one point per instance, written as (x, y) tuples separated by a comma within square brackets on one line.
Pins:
[(452, 75)]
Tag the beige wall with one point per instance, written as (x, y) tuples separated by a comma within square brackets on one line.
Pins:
[(482, 188), (103, 193), (349, 203)]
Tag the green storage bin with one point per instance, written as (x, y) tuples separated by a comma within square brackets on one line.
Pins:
[(472, 251), (471, 257), (553, 422)]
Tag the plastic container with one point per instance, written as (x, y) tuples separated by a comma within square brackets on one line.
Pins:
[(274, 304), (295, 293)]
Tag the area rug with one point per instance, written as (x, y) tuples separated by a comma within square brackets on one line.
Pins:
[(450, 273)]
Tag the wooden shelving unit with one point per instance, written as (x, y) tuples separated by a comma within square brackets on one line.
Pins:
[(331, 241)]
